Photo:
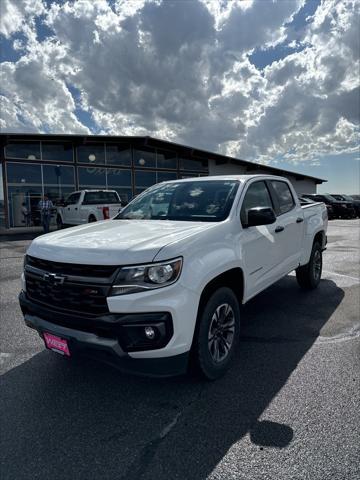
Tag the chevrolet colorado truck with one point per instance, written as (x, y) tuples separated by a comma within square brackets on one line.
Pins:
[(88, 206), (158, 288)]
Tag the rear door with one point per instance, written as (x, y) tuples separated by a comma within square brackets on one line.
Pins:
[(289, 226)]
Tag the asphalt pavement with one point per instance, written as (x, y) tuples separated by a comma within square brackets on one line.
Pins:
[(288, 409)]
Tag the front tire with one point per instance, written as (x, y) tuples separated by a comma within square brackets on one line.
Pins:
[(309, 275), (217, 334)]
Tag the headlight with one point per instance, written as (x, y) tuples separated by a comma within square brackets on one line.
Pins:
[(140, 278)]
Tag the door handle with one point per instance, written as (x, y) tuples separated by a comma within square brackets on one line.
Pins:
[(279, 229), (299, 220), (75, 208)]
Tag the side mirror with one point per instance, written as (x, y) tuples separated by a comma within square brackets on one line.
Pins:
[(260, 216)]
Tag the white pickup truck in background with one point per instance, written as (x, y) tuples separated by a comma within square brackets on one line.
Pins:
[(88, 206), (159, 288)]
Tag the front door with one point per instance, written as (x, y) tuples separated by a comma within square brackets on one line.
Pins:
[(259, 245)]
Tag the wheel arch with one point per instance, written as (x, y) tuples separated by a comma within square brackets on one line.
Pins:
[(320, 237), (233, 279)]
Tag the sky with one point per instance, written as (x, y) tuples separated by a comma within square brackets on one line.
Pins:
[(269, 81)]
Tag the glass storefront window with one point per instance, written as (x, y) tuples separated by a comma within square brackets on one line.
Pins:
[(92, 177), (144, 179), (166, 159), (23, 206), (59, 152), (118, 154), (23, 173), (2, 199), (124, 193), (58, 174), (24, 193), (145, 157), (118, 178), (165, 176), (58, 181), (91, 153), (25, 150), (195, 164)]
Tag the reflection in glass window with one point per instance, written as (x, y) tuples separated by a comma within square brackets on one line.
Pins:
[(196, 164), (23, 205), (118, 154), (2, 200), (166, 176), (58, 174), (145, 157), (208, 201), (286, 201), (92, 177), (118, 178), (257, 195), (58, 181), (144, 179), (124, 193), (29, 150), (166, 159), (91, 153), (21, 173), (60, 152), (57, 194)]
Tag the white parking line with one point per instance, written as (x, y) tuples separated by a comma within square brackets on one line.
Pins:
[(341, 275)]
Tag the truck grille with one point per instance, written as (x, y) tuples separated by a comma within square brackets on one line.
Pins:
[(69, 287), (71, 268)]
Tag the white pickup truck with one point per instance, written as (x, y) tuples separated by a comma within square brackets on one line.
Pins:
[(158, 289), (86, 206)]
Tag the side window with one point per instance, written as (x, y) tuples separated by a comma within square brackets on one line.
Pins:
[(285, 198), (257, 195), (73, 198)]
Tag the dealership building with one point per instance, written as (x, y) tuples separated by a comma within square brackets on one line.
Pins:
[(34, 164)]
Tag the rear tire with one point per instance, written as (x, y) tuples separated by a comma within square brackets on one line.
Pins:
[(217, 334), (92, 219), (309, 275)]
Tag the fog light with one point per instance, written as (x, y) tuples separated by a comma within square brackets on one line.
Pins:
[(150, 333)]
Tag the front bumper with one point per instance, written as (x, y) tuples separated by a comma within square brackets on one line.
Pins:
[(100, 338)]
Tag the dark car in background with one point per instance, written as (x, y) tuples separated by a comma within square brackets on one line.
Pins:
[(329, 208), (349, 198), (341, 209)]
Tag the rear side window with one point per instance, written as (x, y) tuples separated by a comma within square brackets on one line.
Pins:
[(257, 195), (98, 198), (285, 198)]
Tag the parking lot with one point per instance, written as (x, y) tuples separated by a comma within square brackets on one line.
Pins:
[(288, 408)]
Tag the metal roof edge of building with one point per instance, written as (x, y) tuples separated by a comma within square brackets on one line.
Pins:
[(148, 140)]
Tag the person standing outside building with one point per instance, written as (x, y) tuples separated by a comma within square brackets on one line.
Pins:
[(45, 206)]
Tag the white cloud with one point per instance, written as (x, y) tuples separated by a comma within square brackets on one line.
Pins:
[(180, 70)]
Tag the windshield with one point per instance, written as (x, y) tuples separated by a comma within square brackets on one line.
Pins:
[(338, 197), (206, 201)]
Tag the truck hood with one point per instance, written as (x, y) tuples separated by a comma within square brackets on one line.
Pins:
[(113, 242)]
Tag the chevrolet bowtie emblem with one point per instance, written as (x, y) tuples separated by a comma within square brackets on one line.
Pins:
[(54, 279)]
